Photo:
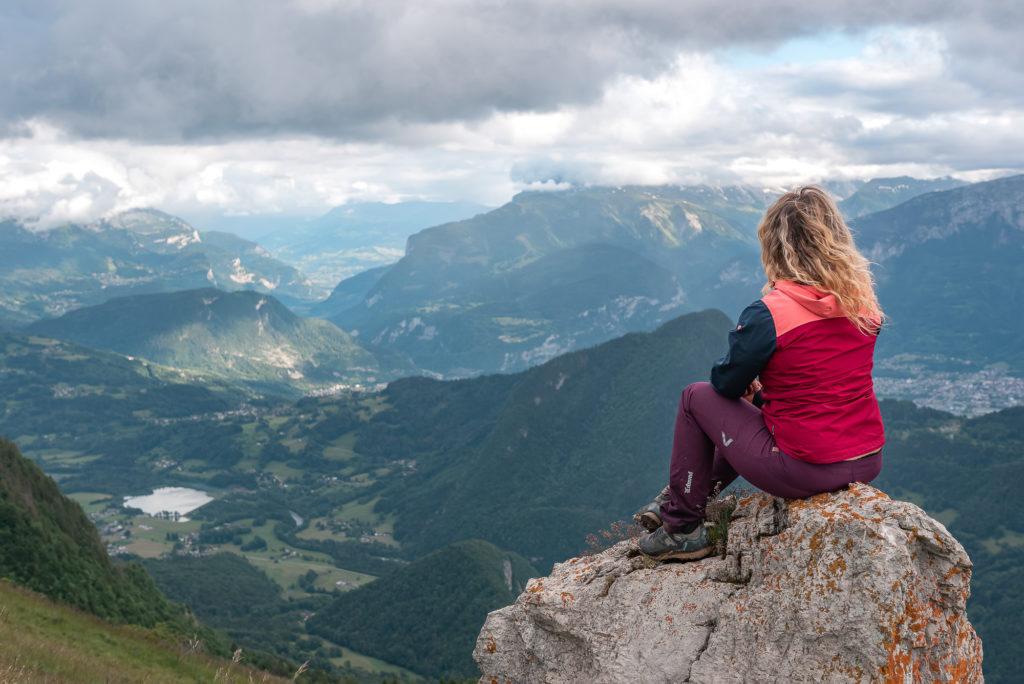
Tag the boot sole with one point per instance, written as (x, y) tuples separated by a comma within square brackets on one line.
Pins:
[(649, 521)]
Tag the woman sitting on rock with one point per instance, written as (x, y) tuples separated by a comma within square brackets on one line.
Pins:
[(811, 424)]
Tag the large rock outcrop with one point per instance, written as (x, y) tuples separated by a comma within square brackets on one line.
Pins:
[(849, 586)]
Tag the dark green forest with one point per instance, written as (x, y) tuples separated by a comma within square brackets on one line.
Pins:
[(582, 440), (49, 545), (426, 616)]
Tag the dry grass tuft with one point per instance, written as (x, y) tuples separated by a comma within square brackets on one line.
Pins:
[(13, 673), (191, 646), (619, 530)]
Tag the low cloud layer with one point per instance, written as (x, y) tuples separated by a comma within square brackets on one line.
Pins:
[(264, 106)]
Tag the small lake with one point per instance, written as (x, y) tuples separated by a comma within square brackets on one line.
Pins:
[(169, 502)]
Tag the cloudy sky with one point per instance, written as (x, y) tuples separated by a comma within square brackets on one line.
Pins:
[(295, 106)]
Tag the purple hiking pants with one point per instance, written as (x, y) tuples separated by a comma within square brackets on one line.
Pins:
[(717, 439)]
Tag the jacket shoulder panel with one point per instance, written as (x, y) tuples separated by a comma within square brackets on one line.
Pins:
[(787, 313)]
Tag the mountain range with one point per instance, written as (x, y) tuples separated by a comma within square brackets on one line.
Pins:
[(949, 267), (880, 194), (46, 274), (572, 437), (358, 236), (545, 274), (553, 272), (243, 337)]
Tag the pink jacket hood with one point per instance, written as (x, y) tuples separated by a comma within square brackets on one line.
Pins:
[(819, 303)]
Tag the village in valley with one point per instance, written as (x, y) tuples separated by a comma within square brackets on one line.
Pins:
[(952, 385)]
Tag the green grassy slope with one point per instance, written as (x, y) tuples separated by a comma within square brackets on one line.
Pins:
[(47, 642)]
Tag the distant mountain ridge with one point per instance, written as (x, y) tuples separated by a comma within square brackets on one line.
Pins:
[(242, 337), (950, 266), (349, 293), (137, 252), (354, 237), (880, 194), (552, 272), (518, 285)]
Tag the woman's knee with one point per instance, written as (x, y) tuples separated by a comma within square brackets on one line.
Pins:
[(699, 394), (697, 389)]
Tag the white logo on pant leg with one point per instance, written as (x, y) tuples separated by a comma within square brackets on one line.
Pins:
[(689, 481), (725, 442)]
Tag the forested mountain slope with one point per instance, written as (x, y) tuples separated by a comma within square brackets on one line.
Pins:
[(424, 615), (552, 272), (49, 545), (45, 274), (535, 461), (242, 337), (950, 266)]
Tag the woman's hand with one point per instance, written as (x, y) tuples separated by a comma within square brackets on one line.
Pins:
[(752, 389)]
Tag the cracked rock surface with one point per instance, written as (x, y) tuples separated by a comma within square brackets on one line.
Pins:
[(848, 586)]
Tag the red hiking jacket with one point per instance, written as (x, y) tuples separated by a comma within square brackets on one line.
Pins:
[(815, 368)]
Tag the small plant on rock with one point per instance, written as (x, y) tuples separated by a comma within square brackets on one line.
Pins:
[(718, 513)]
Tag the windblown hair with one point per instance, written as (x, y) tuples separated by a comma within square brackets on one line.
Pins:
[(804, 239)]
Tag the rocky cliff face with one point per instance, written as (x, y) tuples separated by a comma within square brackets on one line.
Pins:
[(849, 586)]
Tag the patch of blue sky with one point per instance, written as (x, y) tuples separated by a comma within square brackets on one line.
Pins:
[(812, 49)]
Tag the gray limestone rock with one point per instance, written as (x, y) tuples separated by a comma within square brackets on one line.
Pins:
[(843, 587)]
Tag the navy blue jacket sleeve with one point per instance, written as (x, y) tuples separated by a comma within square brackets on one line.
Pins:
[(751, 344)]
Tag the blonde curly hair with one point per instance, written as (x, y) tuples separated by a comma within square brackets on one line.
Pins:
[(804, 239)]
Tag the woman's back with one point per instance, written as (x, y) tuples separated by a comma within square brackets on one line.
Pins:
[(818, 395)]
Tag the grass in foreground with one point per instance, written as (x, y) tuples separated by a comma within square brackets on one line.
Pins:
[(47, 642)]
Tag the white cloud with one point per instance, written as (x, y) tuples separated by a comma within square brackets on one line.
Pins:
[(461, 100)]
